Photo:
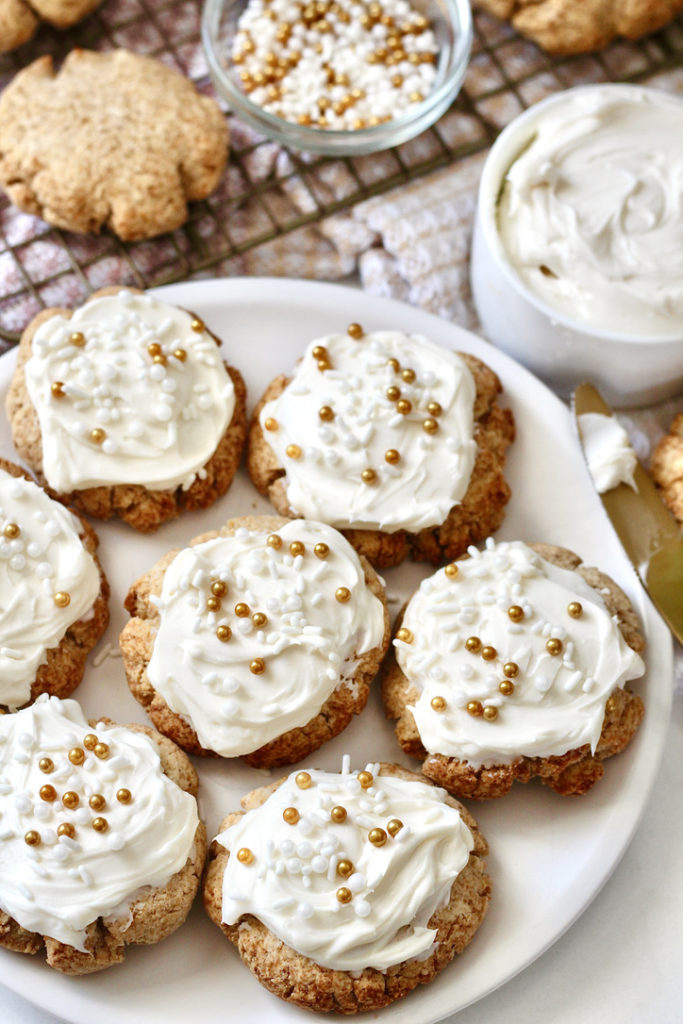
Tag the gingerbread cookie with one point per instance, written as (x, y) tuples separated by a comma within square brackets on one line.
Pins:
[(101, 844), (666, 467), (53, 592), (511, 664), (580, 26), (145, 142), (343, 892), (20, 19), (125, 408), (392, 439), (258, 641)]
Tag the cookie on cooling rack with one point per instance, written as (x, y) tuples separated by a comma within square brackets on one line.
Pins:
[(343, 892), (666, 467), (580, 26), (257, 641), (394, 440), (102, 846), (20, 19), (145, 142), (511, 664), (53, 592), (125, 408)]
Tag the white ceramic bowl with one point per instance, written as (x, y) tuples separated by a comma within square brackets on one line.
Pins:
[(629, 370)]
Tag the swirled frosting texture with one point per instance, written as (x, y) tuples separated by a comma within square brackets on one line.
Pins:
[(154, 389), (41, 554), (308, 644), (291, 884), (324, 474), (63, 884), (591, 213), (610, 457), (559, 698)]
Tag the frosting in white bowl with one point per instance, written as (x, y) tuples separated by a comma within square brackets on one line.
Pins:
[(591, 211), (517, 607), (290, 876)]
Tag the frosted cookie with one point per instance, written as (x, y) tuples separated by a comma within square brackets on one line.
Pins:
[(125, 408), (20, 19), (53, 593), (159, 145), (511, 664), (392, 439), (580, 26), (343, 892), (257, 641), (100, 842), (667, 468)]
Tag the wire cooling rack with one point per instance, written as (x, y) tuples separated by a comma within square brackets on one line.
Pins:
[(41, 266)]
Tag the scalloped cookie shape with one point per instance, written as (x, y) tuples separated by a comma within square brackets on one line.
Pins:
[(112, 139)]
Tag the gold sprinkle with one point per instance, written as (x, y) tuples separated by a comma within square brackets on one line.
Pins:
[(473, 644), (404, 406), (506, 687), (160, 360), (213, 603), (123, 796), (97, 435), (344, 895), (368, 476), (274, 541), (575, 609), (62, 599), (355, 330), (293, 451), (515, 613), (66, 829), (100, 824), (474, 708), (489, 653), (71, 800), (241, 610), (438, 703), (97, 802), (101, 750), (245, 855), (154, 348), (224, 633), (338, 814), (11, 530), (397, 81), (554, 646), (405, 635), (271, 424), (297, 547), (451, 570), (180, 354), (89, 741), (47, 793), (77, 339), (342, 594), (257, 666), (46, 765), (290, 815), (490, 712), (393, 393), (511, 669), (57, 389), (319, 352), (260, 619), (321, 550), (219, 588), (394, 364), (434, 408), (303, 780), (32, 838), (366, 779), (416, 97), (344, 868), (408, 375), (304, 119), (392, 456), (76, 755), (394, 826), (430, 426), (197, 324), (325, 413), (377, 836)]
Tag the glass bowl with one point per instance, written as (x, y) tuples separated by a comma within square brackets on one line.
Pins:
[(451, 22)]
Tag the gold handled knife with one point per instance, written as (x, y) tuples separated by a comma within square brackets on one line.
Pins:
[(648, 533)]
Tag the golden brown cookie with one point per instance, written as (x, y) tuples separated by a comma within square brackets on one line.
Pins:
[(144, 143), (580, 26), (388, 447), (142, 430), (20, 19), (259, 640), (504, 669), (403, 900), (54, 608), (116, 846), (666, 467)]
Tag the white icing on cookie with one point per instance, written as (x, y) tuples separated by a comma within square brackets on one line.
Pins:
[(60, 884), (41, 556), (325, 456), (307, 640), (155, 423), (292, 882), (558, 699)]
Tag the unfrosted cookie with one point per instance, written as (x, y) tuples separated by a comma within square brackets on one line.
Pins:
[(343, 892), (53, 592), (580, 26), (145, 141), (511, 664), (394, 440), (101, 843), (258, 641), (125, 408), (666, 467), (20, 19)]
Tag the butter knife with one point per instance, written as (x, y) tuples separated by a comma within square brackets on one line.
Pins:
[(648, 532)]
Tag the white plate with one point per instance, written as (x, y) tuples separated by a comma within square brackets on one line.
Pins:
[(549, 855)]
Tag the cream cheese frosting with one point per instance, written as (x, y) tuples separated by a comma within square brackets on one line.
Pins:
[(512, 656), (375, 431), (591, 212), (87, 818), (48, 580), (610, 457), (294, 613), (128, 390), (325, 888)]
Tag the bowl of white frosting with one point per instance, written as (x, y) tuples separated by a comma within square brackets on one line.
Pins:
[(577, 255)]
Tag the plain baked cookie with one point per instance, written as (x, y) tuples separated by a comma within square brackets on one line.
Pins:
[(53, 592), (102, 846), (392, 439), (580, 26), (257, 641), (511, 664), (343, 892), (125, 408), (20, 19), (666, 467), (144, 143)]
